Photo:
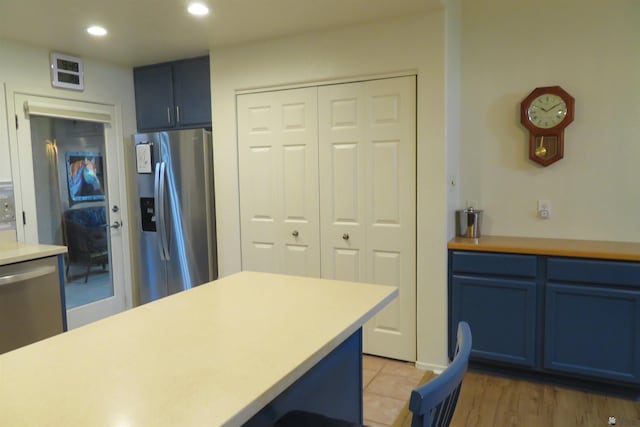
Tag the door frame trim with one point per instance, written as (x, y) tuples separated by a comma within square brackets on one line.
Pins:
[(316, 83), (116, 131)]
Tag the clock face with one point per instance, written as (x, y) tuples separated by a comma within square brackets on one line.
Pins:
[(547, 110)]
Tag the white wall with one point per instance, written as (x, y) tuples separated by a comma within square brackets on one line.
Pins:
[(26, 67), (590, 49), (414, 43)]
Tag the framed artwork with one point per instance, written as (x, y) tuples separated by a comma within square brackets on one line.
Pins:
[(85, 175)]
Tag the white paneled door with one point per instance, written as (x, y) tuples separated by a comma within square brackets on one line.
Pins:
[(328, 189), (69, 186), (278, 159), (367, 134)]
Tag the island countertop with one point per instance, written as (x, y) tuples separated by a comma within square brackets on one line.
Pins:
[(626, 251), (213, 355), (12, 252)]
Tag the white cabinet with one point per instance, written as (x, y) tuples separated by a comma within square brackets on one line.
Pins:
[(327, 188)]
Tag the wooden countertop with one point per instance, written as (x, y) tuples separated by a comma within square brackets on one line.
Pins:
[(12, 252), (213, 355), (628, 251)]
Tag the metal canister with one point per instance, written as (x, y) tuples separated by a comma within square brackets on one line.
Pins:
[(468, 222)]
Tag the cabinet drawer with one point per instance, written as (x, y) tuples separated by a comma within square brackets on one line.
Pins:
[(594, 271), (493, 263)]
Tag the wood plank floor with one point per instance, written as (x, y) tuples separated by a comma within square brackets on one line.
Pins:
[(489, 400)]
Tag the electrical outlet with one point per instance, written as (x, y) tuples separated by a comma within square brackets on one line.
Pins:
[(544, 209)]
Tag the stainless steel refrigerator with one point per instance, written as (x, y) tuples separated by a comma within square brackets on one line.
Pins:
[(175, 220)]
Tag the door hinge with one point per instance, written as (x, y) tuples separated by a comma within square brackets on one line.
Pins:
[(24, 218), (16, 121)]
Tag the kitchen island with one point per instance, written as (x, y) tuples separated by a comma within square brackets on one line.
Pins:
[(226, 353)]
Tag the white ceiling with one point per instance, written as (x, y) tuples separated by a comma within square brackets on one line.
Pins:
[(151, 31)]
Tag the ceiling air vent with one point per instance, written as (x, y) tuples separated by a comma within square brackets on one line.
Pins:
[(66, 72)]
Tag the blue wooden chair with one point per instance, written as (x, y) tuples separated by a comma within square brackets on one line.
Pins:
[(432, 404)]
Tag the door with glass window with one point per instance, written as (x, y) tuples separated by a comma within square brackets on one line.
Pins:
[(69, 191)]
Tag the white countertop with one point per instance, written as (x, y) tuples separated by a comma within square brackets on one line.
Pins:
[(11, 252), (213, 355)]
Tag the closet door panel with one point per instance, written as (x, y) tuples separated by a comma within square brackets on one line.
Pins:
[(341, 118), (391, 220), (367, 188), (277, 150), (257, 127)]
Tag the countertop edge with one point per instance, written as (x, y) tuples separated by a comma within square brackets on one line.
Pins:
[(13, 252), (611, 250)]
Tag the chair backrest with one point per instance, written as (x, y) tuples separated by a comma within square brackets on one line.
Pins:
[(433, 403)]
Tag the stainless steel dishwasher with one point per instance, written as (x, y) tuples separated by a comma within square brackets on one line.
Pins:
[(30, 302)]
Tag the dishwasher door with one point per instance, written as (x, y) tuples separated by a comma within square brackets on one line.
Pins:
[(30, 302)]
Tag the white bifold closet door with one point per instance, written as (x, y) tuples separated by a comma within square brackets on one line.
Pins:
[(278, 161), (328, 189), (368, 199)]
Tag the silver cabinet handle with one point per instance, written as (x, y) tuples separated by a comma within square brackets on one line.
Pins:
[(177, 114), (295, 233), (168, 115), (345, 236), (21, 277)]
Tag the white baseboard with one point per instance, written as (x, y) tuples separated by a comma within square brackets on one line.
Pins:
[(437, 369)]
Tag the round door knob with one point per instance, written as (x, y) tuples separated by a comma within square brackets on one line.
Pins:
[(295, 233), (345, 236)]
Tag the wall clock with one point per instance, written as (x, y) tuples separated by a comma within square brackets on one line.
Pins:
[(545, 112)]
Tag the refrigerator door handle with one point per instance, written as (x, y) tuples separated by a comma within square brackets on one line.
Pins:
[(163, 221), (157, 208)]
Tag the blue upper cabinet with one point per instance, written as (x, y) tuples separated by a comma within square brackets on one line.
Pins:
[(192, 92), (154, 97), (173, 95)]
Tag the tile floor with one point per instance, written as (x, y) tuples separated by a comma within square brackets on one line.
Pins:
[(387, 386)]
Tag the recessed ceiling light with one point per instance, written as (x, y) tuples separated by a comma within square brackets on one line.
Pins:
[(198, 9), (96, 31)]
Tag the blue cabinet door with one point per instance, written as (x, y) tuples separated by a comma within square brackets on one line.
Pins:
[(192, 92), (154, 97), (502, 316), (173, 95), (593, 331)]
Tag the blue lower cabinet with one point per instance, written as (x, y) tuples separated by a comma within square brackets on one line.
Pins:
[(333, 387), (592, 331), (575, 320), (502, 315)]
